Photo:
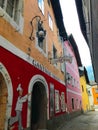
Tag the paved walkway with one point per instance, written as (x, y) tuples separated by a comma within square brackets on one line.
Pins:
[(88, 121)]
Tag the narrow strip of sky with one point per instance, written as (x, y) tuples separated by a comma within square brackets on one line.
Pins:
[(72, 26)]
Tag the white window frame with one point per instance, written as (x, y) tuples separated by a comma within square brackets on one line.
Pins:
[(50, 22), (19, 21), (73, 103), (62, 66), (54, 54), (57, 101), (63, 105), (41, 5)]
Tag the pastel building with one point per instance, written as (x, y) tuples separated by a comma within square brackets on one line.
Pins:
[(92, 89), (83, 83), (95, 96), (74, 96)]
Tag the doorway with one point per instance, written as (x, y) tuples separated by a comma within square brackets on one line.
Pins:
[(3, 101), (38, 106)]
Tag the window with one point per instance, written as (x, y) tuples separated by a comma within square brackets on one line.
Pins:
[(62, 67), (63, 101), (14, 9), (97, 99), (2, 3), (89, 93), (48, 2), (51, 100), (41, 5), (57, 101), (10, 7), (54, 55), (72, 103), (96, 90), (68, 78), (54, 52), (82, 88), (50, 22)]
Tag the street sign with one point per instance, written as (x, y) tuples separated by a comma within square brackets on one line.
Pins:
[(62, 59)]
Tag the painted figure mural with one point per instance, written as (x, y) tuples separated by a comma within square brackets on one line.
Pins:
[(19, 106)]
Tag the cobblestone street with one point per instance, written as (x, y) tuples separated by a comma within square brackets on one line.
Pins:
[(88, 121)]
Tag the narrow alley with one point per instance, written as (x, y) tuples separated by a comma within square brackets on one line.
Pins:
[(87, 121), (46, 82)]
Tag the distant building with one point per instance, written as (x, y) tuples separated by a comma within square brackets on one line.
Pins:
[(92, 88), (90, 95), (83, 83), (95, 96)]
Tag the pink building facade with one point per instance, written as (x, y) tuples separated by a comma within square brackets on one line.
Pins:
[(74, 99)]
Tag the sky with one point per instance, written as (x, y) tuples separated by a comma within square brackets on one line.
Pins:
[(72, 26)]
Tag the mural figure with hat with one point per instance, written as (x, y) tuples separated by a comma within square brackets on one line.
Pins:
[(19, 104)]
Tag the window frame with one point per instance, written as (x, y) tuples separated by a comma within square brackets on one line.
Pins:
[(96, 90), (49, 3), (50, 21), (96, 99), (54, 52), (57, 101), (10, 8), (6, 8), (41, 5), (16, 20), (82, 88), (52, 101), (73, 104), (63, 106)]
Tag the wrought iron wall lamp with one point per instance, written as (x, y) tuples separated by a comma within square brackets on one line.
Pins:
[(41, 33)]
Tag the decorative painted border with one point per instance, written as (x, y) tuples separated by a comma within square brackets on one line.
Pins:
[(33, 80), (8, 82), (71, 91)]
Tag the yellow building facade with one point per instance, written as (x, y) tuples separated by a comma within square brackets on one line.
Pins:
[(85, 99)]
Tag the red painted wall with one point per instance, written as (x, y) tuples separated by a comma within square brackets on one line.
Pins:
[(21, 71)]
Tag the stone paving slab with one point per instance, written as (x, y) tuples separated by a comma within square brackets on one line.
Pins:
[(87, 121)]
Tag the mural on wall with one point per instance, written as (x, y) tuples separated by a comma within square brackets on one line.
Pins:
[(34, 72), (6, 95), (51, 100), (63, 104), (57, 101), (19, 106)]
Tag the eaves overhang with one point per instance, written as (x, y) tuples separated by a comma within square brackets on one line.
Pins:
[(83, 72), (81, 18), (59, 18), (75, 48)]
